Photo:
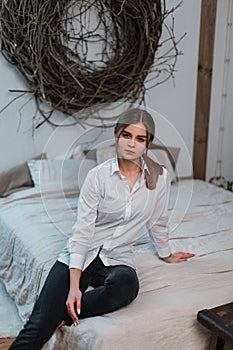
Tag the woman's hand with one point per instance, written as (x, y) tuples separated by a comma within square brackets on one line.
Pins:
[(178, 257), (73, 301), (73, 304)]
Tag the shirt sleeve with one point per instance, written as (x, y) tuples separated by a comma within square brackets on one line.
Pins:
[(158, 224), (84, 228)]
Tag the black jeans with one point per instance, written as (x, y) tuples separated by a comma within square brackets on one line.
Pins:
[(114, 287)]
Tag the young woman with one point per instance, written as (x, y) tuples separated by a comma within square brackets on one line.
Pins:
[(119, 198)]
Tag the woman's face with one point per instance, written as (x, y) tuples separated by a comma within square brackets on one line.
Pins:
[(132, 142)]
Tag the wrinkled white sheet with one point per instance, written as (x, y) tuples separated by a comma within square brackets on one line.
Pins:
[(33, 231), (10, 322)]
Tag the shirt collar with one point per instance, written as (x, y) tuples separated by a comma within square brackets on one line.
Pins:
[(115, 166)]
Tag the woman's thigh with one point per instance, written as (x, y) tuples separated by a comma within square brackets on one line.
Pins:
[(120, 281)]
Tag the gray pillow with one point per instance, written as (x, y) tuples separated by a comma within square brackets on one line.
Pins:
[(17, 178)]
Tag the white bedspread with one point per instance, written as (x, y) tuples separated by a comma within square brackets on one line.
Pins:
[(164, 314)]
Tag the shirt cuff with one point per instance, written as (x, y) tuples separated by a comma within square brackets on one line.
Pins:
[(164, 252), (76, 261)]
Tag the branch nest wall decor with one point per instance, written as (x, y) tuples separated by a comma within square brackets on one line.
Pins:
[(53, 45)]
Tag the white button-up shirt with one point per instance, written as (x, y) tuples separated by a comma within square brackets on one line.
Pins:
[(113, 217)]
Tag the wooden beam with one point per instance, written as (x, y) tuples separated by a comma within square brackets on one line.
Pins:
[(204, 80)]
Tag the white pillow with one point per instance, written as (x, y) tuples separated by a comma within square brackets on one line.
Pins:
[(105, 153), (161, 157), (60, 174), (77, 152), (74, 153)]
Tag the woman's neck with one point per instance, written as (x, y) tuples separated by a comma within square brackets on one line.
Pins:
[(129, 166), (131, 170)]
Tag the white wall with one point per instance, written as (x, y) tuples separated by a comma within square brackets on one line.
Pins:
[(177, 102), (172, 104), (17, 142), (221, 113)]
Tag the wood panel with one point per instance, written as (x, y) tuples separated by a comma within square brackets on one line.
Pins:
[(204, 79), (5, 343)]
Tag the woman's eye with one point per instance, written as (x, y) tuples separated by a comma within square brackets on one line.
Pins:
[(141, 139), (125, 135)]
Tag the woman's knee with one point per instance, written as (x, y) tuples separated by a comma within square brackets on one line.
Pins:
[(123, 283)]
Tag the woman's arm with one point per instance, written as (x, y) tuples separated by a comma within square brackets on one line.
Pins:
[(157, 226), (81, 239), (84, 228)]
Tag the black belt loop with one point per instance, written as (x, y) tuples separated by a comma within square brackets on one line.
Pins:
[(100, 249)]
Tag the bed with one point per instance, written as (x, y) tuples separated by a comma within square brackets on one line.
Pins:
[(163, 316)]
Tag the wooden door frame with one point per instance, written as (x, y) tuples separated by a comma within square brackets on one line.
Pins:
[(204, 82)]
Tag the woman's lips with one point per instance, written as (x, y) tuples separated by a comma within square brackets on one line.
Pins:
[(129, 151)]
